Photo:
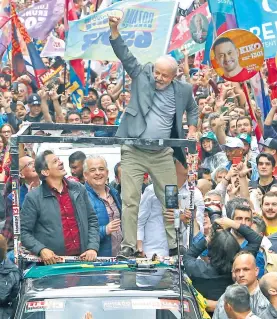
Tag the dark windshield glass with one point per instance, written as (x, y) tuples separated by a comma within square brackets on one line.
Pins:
[(106, 308)]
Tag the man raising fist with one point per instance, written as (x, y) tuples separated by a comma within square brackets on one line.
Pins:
[(155, 111)]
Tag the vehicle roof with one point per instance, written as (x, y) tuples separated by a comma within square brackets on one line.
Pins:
[(157, 282)]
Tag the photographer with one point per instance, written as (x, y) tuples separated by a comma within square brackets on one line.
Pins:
[(222, 247)]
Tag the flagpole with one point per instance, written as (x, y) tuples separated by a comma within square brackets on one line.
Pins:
[(88, 77), (64, 77)]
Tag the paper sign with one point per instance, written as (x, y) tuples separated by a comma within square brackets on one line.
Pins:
[(237, 55)]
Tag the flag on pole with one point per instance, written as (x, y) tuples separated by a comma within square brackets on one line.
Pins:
[(223, 19), (76, 72), (20, 65)]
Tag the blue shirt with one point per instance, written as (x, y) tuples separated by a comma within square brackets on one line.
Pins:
[(260, 260)]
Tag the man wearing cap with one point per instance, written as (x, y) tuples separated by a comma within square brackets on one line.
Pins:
[(244, 126), (38, 109), (234, 148), (270, 147)]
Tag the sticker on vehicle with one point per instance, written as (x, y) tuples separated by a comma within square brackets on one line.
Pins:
[(44, 305)]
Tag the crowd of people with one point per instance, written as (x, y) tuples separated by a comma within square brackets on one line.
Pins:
[(232, 259)]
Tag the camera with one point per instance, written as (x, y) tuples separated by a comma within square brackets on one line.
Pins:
[(213, 215)]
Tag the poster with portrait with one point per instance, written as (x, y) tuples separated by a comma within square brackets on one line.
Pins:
[(237, 55), (198, 28), (191, 31)]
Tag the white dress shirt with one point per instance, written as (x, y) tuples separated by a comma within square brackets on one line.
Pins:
[(151, 228)]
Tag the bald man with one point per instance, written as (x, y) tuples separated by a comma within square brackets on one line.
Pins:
[(268, 286), (245, 272), (155, 111)]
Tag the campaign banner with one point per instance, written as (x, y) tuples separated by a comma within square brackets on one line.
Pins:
[(191, 32), (145, 27), (260, 18), (53, 47), (237, 55), (52, 71), (41, 18)]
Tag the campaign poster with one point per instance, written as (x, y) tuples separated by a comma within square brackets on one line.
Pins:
[(191, 31), (145, 28), (237, 55)]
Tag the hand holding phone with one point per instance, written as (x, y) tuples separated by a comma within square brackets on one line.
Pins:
[(171, 197), (236, 160), (15, 87)]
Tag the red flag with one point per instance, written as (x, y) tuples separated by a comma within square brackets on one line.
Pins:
[(19, 67), (272, 77), (70, 15)]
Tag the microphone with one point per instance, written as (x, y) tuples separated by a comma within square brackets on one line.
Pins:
[(177, 219)]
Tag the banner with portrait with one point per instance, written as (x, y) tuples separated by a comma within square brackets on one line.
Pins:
[(145, 27), (191, 32), (237, 55)]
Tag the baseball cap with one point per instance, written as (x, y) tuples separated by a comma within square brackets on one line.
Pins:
[(21, 103), (34, 99), (97, 113), (245, 137), (233, 142), (209, 135), (270, 143)]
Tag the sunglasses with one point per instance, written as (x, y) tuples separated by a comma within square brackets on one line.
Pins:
[(28, 165)]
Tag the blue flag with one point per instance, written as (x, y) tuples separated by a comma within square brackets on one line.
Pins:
[(221, 6), (259, 17)]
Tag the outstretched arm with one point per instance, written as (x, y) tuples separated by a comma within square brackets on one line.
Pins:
[(130, 63)]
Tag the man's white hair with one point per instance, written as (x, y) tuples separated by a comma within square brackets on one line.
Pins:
[(91, 157), (168, 60)]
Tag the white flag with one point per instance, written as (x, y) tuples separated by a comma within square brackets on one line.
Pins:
[(53, 47)]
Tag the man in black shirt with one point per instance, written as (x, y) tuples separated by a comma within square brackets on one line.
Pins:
[(265, 164)]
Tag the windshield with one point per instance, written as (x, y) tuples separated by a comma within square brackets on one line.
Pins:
[(106, 308)]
